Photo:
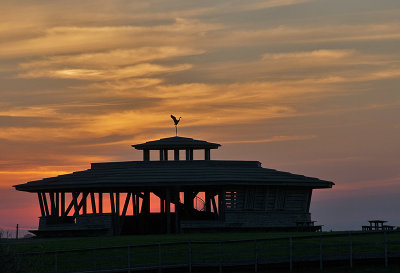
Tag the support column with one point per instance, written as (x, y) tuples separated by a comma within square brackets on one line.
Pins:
[(100, 202), (52, 204), (112, 202), (187, 154), (168, 210), (207, 154), (117, 205), (176, 155), (39, 194), (75, 201), (221, 205), (84, 200), (146, 203), (165, 154), (46, 207), (207, 200), (161, 155), (93, 201), (62, 203), (57, 204), (191, 154), (146, 155)]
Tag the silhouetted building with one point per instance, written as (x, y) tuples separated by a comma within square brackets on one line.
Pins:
[(190, 194)]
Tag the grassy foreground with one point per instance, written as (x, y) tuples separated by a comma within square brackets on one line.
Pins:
[(270, 246)]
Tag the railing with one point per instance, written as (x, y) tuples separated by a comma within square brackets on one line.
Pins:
[(343, 249)]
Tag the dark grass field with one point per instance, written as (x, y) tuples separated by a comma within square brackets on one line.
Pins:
[(147, 249)]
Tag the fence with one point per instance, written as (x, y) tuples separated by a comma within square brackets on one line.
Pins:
[(287, 252)]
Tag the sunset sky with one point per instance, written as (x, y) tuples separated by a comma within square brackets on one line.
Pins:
[(305, 86)]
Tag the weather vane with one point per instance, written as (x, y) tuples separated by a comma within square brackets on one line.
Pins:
[(176, 121)]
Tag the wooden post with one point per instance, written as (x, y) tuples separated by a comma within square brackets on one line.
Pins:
[(161, 155), (55, 262), (100, 202), (75, 200), (207, 200), (168, 210), (39, 194), (190, 256), (46, 207), (93, 201), (320, 253), (159, 259), (146, 155), (84, 200), (117, 205), (112, 201), (207, 154), (146, 203), (176, 155), (128, 197), (351, 250), (220, 256), (166, 154), (255, 256), (191, 154), (52, 204), (386, 248), (177, 212), (290, 254), (187, 154), (129, 259), (62, 203), (57, 204)]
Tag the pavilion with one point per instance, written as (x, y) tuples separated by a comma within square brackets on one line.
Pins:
[(193, 195)]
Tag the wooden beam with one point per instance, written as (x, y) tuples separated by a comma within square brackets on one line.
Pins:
[(52, 204), (62, 201), (166, 154), (117, 203), (215, 209), (161, 155), (84, 200), (146, 155), (57, 204), (93, 201), (75, 196), (39, 194), (46, 207), (127, 199), (146, 203), (71, 204), (168, 210), (100, 202), (112, 201), (208, 197), (176, 155), (187, 154), (207, 155)]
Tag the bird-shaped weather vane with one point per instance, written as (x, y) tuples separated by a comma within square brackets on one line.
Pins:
[(176, 121)]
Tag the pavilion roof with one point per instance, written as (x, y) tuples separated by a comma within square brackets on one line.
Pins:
[(151, 174), (176, 142)]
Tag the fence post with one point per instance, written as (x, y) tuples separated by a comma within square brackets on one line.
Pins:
[(220, 256), (159, 259), (190, 256), (320, 253), (94, 259), (386, 248), (129, 259), (351, 250), (55, 262), (255, 256), (291, 254)]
